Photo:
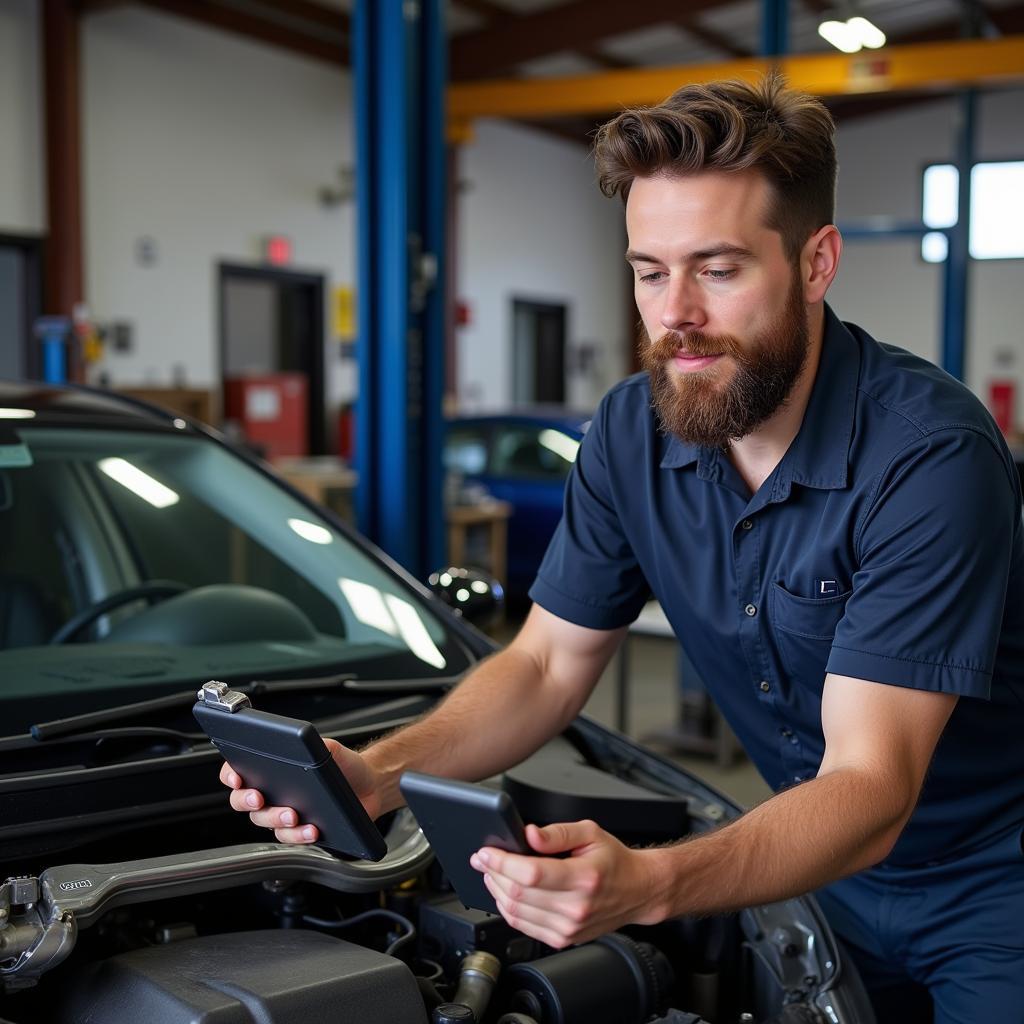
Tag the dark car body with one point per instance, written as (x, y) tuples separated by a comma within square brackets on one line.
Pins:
[(140, 556), (522, 457)]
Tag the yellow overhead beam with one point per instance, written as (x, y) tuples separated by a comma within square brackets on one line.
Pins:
[(919, 67)]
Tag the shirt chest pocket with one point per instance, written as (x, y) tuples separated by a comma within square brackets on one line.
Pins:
[(804, 628)]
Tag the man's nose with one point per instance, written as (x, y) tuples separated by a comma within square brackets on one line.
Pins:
[(683, 308)]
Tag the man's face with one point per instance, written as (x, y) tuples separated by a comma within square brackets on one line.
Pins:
[(724, 323)]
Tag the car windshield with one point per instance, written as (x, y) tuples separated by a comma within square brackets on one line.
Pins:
[(133, 560)]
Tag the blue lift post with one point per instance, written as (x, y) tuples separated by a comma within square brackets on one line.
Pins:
[(774, 28), (958, 258), (399, 58)]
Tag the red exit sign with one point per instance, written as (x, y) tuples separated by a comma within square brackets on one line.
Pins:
[(277, 250)]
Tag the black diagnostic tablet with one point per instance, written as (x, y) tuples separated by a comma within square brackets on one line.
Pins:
[(458, 818), (287, 761)]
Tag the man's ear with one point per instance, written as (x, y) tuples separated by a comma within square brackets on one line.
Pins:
[(819, 262)]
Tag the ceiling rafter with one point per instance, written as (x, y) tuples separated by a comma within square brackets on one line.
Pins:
[(494, 50), (307, 14), (290, 24), (713, 38), (498, 16)]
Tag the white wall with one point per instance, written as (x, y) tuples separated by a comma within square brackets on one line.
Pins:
[(886, 286), (205, 143), (21, 144), (532, 225)]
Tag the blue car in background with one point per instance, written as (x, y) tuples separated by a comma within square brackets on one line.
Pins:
[(522, 457)]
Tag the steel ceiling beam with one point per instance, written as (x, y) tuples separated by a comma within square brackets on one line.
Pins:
[(254, 23), (571, 26), (913, 68)]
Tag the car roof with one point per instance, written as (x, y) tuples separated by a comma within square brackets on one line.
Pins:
[(548, 414), (79, 405)]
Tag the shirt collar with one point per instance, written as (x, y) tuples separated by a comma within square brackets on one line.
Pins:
[(819, 454)]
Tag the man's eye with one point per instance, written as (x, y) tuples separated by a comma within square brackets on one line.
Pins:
[(719, 275), (654, 275)]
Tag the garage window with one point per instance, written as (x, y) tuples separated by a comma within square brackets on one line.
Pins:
[(997, 210)]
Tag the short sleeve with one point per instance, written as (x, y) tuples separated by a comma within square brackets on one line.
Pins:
[(934, 553), (590, 575)]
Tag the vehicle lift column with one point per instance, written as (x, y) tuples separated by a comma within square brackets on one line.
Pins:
[(399, 57)]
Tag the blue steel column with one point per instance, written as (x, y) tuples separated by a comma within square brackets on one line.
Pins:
[(957, 267), (774, 28), (400, 75)]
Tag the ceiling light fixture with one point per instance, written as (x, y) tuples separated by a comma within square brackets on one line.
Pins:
[(852, 35)]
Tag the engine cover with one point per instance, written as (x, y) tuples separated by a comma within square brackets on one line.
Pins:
[(284, 976)]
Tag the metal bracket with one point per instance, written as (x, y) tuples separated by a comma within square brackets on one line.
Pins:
[(37, 941), (785, 937), (219, 695)]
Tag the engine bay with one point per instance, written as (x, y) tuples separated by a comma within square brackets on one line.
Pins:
[(260, 932)]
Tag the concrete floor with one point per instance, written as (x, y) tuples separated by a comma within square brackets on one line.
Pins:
[(653, 705)]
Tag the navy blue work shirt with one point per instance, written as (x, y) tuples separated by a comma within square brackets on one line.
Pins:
[(886, 545)]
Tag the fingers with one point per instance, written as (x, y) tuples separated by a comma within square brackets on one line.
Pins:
[(554, 927), (529, 872), (246, 799), (562, 836), (283, 820), (302, 834), (285, 823)]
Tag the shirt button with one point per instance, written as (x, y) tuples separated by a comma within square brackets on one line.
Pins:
[(765, 686), (747, 524), (751, 610)]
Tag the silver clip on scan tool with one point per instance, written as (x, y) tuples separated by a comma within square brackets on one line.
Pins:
[(288, 762)]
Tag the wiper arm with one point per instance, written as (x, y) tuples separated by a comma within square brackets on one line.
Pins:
[(346, 681), (105, 716), (405, 687)]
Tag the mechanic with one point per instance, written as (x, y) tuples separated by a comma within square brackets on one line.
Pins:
[(833, 527)]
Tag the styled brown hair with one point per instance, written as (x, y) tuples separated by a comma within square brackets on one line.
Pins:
[(786, 136)]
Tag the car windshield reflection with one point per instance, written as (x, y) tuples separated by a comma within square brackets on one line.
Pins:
[(136, 558)]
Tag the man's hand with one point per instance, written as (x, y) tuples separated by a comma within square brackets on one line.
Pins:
[(284, 820), (599, 887)]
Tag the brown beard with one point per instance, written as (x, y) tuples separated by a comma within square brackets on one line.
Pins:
[(700, 410)]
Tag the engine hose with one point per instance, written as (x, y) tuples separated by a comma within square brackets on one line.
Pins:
[(477, 978), (516, 1018)]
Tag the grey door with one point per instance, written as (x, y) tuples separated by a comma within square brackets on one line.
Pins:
[(20, 286)]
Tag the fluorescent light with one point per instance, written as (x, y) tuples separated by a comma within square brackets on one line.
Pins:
[(559, 443), (870, 35), (840, 35), (852, 34), (311, 532), (139, 483), (17, 414)]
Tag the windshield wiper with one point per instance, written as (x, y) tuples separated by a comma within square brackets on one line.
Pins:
[(346, 682)]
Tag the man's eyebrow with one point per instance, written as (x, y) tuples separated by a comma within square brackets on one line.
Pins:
[(711, 252)]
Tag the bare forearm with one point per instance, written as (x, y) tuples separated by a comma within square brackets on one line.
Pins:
[(799, 840), (498, 715)]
